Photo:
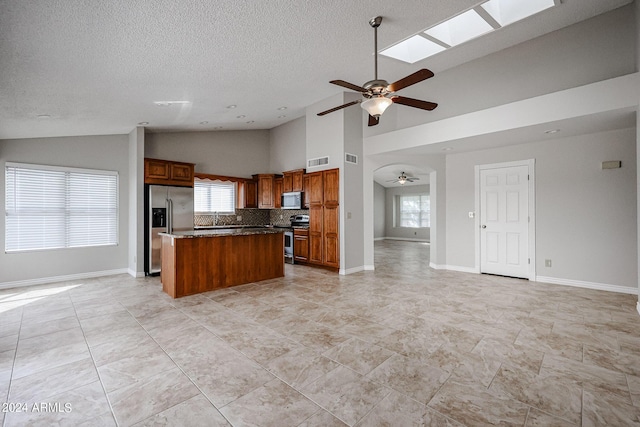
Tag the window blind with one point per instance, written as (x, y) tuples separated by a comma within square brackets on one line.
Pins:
[(214, 196), (53, 207), (415, 211)]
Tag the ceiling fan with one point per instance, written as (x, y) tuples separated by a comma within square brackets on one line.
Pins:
[(404, 178), (379, 94)]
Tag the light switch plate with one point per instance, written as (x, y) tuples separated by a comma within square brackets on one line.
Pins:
[(472, 214)]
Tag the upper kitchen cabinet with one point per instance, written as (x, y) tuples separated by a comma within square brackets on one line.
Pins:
[(305, 188), (277, 192), (293, 180), (266, 190), (165, 172), (250, 193)]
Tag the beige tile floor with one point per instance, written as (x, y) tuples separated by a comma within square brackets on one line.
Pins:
[(402, 346)]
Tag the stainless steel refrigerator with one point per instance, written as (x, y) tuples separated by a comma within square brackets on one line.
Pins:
[(168, 209)]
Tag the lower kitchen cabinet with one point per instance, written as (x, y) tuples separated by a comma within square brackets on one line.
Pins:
[(301, 244)]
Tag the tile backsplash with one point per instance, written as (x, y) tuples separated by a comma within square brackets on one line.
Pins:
[(250, 217), (281, 216)]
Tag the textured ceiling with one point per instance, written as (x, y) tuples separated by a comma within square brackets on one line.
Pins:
[(386, 175), (96, 67)]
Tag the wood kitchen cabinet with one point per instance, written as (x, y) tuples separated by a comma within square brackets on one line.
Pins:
[(165, 172), (250, 194), (301, 244), (277, 193), (305, 188), (324, 218), (266, 190), (293, 180)]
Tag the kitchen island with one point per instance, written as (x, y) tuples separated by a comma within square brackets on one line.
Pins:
[(205, 260)]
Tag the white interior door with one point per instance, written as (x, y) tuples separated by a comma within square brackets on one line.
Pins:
[(504, 221)]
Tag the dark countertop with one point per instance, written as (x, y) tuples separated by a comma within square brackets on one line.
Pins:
[(218, 232)]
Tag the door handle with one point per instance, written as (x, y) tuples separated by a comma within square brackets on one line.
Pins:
[(484, 226)]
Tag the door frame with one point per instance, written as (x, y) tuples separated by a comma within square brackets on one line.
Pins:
[(530, 163)]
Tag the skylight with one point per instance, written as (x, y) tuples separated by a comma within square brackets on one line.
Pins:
[(461, 28), (507, 12), (490, 15), (413, 49)]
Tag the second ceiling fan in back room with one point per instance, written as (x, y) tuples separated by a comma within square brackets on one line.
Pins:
[(379, 94)]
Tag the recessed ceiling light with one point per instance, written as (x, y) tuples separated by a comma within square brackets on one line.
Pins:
[(217, 127), (550, 131), (282, 108), (43, 116), (169, 103), (231, 107), (143, 123), (413, 49), (242, 116), (282, 117), (447, 149), (250, 121), (204, 122)]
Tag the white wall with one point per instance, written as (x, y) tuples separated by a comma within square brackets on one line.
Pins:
[(585, 216), (288, 146), (229, 153), (379, 214), (391, 231), (90, 152)]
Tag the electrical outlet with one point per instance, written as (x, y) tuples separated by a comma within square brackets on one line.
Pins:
[(547, 263), (239, 218)]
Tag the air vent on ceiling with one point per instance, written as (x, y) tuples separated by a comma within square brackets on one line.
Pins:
[(351, 158), (311, 163)]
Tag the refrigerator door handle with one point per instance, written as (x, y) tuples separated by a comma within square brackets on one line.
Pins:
[(169, 206)]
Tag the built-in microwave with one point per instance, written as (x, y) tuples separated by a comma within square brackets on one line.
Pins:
[(292, 200)]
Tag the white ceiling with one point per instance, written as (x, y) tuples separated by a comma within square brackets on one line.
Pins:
[(97, 66), (386, 175)]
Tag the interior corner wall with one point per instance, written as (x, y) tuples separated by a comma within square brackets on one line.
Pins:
[(136, 202), (379, 214), (229, 153), (586, 217), (391, 231), (88, 152), (287, 146)]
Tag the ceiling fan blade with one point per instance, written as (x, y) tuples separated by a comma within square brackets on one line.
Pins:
[(415, 103), (373, 120), (411, 79), (348, 104), (348, 85)]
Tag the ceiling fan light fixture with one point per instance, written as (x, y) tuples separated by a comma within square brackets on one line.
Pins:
[(375, 106), (402, 180)]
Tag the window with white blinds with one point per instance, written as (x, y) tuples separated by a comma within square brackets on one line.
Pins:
[(53, 207), (413, 211), (214, 196)]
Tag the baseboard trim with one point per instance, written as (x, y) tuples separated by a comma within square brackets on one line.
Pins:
[(588, 285), (345, 271), (136, 274), (379, 238), (461, 269), (369, 267), (407, 239), (638, 307), (437, 266), (53, 279)]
